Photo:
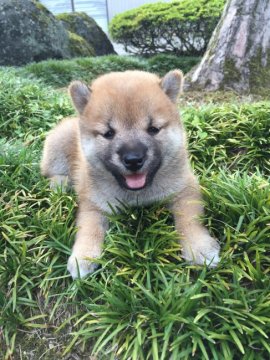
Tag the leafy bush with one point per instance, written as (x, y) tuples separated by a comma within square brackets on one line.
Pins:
[(162, 63), (60, 72), (182, 27)]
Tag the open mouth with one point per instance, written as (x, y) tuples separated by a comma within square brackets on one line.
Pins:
[(135, 181)]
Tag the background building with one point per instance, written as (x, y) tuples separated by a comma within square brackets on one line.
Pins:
[(101, 10)]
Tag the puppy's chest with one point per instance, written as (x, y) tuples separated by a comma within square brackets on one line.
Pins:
[(108, 195)]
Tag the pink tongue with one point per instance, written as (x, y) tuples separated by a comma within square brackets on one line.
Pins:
[(135, 181)]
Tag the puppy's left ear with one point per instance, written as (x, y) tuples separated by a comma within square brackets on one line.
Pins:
[(172, 84)]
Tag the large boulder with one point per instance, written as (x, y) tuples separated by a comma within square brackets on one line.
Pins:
[(78, 46), (86, 27), (29, 32)]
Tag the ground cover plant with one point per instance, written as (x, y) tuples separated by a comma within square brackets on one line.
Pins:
[(144, 302)]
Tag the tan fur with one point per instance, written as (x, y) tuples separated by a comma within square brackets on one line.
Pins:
[(75, 151)]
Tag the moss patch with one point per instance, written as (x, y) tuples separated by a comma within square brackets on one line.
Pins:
[(41, 7), (259, 74), (71, 18), (231, 73), (78, 46)]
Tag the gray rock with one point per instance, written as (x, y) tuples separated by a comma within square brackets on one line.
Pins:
[(78, 46), (29, 32), (86, 27)]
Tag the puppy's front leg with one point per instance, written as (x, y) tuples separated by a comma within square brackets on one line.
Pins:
[(198, 247), (92, 225)]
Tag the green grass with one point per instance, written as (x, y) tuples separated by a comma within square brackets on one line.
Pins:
[(27, 107), (144, 302), (236, 136)]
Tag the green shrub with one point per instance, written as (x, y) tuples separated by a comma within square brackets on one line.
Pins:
[(162, 63), (59, 73), (182, 27)]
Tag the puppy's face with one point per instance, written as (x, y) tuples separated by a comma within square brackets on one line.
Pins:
[(129, 125)]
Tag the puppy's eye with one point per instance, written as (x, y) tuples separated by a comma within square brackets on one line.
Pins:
[(109, 134), (152, 130)]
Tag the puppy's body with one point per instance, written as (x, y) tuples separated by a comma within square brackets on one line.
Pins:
[(128, 145)]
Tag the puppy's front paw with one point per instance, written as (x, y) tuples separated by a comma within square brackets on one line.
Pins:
[(205, 250), (80, 267)]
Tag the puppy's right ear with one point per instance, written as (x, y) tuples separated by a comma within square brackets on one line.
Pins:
[(80, 94), (172, 84)]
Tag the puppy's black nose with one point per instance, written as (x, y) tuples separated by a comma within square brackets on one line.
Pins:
[(133, 161), (133, 158)]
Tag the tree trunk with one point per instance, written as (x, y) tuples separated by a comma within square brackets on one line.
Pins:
[(238, 54)]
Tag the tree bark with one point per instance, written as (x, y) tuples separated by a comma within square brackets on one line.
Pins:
[(237, 57)]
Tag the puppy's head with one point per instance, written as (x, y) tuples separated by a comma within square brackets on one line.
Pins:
[(129, 124)]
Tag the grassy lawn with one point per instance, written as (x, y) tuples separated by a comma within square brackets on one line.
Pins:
[(144, 302)]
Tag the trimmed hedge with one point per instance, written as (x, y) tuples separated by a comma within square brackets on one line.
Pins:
[(181, 27), (162, 63), (59, 73)]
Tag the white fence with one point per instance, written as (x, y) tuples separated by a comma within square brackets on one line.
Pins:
[(101, 10)]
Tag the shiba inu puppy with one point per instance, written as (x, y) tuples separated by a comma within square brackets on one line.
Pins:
[(127, 144)]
